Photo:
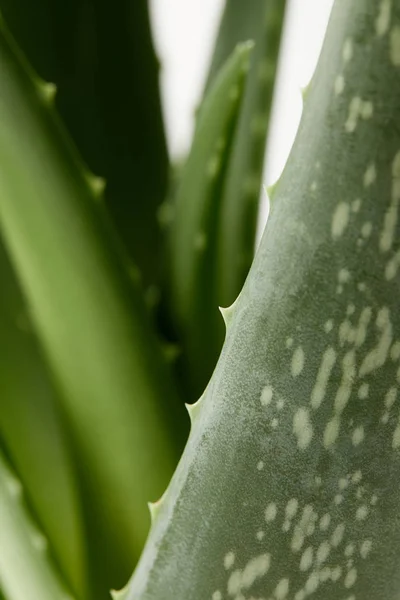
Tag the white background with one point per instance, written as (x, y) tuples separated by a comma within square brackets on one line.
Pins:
[(185, 31)]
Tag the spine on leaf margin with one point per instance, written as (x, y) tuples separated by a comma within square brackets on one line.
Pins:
[(192, 234), (99, 59), (230, 198), (242, 184), (290, 481), (90, 319)]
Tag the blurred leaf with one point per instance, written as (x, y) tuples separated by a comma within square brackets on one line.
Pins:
[(90, 319), (262, 21), (26, 569), (195, 214), (32, 432), (102, 59)]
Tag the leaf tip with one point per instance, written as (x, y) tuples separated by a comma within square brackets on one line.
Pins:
[(244, 50)]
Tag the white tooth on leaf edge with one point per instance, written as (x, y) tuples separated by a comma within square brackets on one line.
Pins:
[(120, 594), (194, 409)]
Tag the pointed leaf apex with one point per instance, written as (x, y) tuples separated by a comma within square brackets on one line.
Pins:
[(244, 50), (245, 47)]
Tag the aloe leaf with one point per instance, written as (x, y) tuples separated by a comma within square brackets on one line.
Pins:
[(289, 486), (192, 235), (26, 569), (103, 63), (90, 318), (241, 191), (32, 432)]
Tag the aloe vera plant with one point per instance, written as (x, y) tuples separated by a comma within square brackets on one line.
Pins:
[(212, 236), (114, 118), (289, 484)]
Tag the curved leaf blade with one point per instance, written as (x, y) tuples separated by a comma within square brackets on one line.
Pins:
[(106, 71), (192, 236), (32, 431), (26, 570), (289, 485), (241, 192), (90, 318)]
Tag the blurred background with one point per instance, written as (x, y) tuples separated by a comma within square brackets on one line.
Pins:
[(184, 32)]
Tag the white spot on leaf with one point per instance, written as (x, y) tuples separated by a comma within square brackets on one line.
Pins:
[(339, 85), (383, 19), (270, 512), (282, 589), (229, 560), (297, 362), (340, 220), (324, 372), (302, 428), (266, 395), (358, 436), (370, 175), (347, 52)]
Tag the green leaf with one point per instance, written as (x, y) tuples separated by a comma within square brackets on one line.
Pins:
[(26, 569), (103, 63), (32, 432), (243, 179), (90, 318), (238, 24), (289, 485), (192, 235)]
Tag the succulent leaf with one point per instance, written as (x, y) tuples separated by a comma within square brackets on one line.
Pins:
[(103, 63), (192, 234), (90, 319), (32, 432), (26, 568), (290, 482), (242, 184)]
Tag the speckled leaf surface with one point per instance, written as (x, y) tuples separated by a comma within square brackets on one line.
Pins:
[(289, 487)]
